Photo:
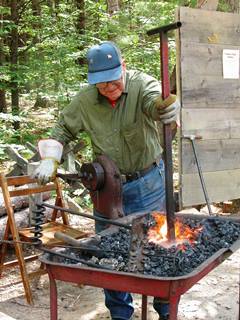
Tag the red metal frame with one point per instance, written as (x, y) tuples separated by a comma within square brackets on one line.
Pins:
[(167, 288)]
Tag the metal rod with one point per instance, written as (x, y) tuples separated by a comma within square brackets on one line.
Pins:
[(16, 241), (166, 28), (63, 255), (70, 176), (167, 134), (85, 215), (90, 248), (167, 130), (201, 177), (192, 139)]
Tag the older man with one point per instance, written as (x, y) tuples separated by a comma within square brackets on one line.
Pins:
[(119, 110)]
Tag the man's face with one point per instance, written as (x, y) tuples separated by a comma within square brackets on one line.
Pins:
[(112, 89)]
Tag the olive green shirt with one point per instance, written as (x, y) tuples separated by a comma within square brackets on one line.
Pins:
[(126, 133)]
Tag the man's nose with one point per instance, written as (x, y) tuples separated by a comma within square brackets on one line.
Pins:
[(111, 86)]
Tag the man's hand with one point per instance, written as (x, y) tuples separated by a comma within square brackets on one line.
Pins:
[(46, 171), (51, 152), (168, 110)]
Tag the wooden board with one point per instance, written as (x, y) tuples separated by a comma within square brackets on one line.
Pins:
[(218, 183), (48, 233), (210, 106)]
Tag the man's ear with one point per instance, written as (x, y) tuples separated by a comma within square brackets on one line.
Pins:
[(123, 65)]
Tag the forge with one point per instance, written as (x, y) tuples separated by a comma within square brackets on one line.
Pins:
[(146, 265)]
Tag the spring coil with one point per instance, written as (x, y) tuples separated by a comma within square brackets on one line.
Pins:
[(39, 220)]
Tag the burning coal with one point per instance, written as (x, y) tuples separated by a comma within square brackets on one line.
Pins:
[(157, 234), (196, 241)]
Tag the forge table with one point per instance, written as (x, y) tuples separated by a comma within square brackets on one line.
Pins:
[(167, 288)]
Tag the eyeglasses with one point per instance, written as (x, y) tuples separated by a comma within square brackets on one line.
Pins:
[(104, 85)]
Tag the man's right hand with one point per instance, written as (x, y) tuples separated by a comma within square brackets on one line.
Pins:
[(46, 171), (51, 152)]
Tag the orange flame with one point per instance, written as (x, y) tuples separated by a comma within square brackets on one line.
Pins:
[(158, 233)]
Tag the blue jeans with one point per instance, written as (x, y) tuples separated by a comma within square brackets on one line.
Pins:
[(144, 194)]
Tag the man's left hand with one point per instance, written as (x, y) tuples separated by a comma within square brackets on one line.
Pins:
[(168, 110)]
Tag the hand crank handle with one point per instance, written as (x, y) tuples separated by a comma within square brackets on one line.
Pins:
[(166, 28), (85, 215)]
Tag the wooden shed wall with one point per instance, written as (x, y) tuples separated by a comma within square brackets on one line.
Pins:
[(210, 106)]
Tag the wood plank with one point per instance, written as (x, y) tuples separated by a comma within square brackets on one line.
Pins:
[(221, 186), (38, 189), (19, 180), (202, 77), (49, 229), (210, 105), (203, 26), (14, 263), (203, 59), (213, 155), (210, 92), (211, 123)]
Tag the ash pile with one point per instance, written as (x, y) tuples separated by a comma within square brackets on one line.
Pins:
[(205, 238)]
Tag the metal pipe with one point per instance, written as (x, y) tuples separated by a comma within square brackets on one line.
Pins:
[(192, 138), (166, 28), (63, 255), (167, 130), (85, 215)]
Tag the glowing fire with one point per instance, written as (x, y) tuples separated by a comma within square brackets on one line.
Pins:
[(158, 233)]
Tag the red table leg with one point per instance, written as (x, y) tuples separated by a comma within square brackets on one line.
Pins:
[(144, 307), (53, 297), (173, 311)]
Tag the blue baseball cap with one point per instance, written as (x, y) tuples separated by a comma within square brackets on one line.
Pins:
[(104, 63)]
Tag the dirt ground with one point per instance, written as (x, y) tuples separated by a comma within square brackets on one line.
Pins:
[(216, 296)]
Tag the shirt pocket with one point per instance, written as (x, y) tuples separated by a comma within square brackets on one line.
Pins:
[(134, 139)]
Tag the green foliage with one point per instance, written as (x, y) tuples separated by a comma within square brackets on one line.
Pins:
[(9, 136), (50, 46), (52, 50)]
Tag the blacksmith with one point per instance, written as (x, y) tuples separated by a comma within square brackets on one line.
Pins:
[(119, 110)]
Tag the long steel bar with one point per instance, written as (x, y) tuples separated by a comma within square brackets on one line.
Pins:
[(167, 130), (192, 139), (63, 255), (85, 215)]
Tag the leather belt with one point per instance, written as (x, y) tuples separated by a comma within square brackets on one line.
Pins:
[(128, 177)]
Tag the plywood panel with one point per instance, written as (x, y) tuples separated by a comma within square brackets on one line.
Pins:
[(220, 186), (213, 155), (210, 105), (206, 60), (204, 26), (211, 123), (202, 78)]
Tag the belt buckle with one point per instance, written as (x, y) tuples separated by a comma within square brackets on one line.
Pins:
[(123, 178)]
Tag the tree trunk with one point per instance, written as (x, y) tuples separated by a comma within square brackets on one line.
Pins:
[(14, 62), (234, 5), (113, 6), (3, 103), (80, 26), (208, 4)]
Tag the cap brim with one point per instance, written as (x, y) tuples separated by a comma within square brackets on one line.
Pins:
[(105, 76)]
